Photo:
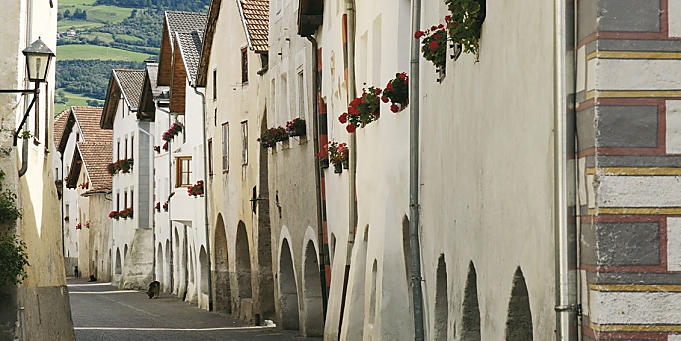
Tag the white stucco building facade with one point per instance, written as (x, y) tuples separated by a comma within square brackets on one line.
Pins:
[(132, 248)]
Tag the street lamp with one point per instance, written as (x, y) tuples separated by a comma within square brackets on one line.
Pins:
[(38, 58)]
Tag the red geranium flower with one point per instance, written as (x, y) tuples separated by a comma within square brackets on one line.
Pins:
[(351, 128), (418, 34), (433, 45), (385, 99), (394, 108)]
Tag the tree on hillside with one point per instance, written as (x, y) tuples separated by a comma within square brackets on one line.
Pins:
[(67, 14)]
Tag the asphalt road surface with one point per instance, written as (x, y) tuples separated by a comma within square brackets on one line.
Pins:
[(102, 312)]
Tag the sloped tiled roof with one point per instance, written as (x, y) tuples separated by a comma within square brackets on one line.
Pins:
[(190, 48), (88, 120), (60, 124), (179, 21), (96, 157), (131, 82), (255, 15)]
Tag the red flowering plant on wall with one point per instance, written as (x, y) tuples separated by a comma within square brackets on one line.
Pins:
[(78, 227), (113, 168), (434, 45), (84, 185), (158, 207), (397, 92), (124, 165), (196, 190), (157, 149), (362, 110), (114, 215), (465, 23), (165, 206), (173, 131), (165, 146), (323, 156), (296, 127), (126, 213), (87, 224), (271, 136), (338, 155)]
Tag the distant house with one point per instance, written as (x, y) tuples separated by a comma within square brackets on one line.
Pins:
[(71, 33)]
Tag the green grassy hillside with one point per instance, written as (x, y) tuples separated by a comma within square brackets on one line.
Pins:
[(82, 51)]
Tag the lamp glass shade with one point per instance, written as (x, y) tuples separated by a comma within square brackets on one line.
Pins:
[(38, 58), (38, 65)]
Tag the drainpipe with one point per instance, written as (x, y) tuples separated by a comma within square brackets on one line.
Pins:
[(170, 190), (352, 147), (565, 279), (323, 256), (417, 294), (205, 192)]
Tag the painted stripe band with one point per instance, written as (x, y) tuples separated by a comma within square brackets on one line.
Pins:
[(636, 287), (172, 329), (635, 171)]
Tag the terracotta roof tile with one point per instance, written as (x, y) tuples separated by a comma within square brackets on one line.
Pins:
[(131, 83), (88, 120), (256, 18), (60, 124), (96, 156)]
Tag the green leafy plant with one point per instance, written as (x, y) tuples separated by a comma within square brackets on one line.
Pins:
[(465, 23), (13, 259), (8, 207), (271, 136), (397, 92), (434, 45)]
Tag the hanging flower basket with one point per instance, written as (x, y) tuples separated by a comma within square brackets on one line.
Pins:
[(173, 131), (337, 154), (397, 92), (465, 24), (434, 47), (362, 110), (297, 127), (165, 146)]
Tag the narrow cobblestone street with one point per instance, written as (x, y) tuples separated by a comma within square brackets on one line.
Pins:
[(102, 312)]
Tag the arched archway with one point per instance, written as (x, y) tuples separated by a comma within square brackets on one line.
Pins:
[(159, 263), (519, 319), (265, 288), (118, 261), (222, 297), (203, 265), (312, 293), (441, 317), (169, 274), (243, 262), (470, 324), (288, 290), (177, 271)]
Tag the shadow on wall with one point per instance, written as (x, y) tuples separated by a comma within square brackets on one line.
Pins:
[(288, 290), (519, 319), (441, 302), (470, 324)]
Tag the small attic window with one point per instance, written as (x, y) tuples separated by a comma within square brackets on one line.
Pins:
[(244, 65)]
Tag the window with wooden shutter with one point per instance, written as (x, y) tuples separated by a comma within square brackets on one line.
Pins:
[(225, 147), (244, 65), (184, 171), (244, 142)]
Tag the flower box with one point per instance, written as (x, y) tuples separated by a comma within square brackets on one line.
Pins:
[(362, 110), (397, 92), (78, 227), (157, 149), (464, 25), (157, 207), (114, 215), (196, 190), (336, 153), (165, 206), (297, 127), (271, 136)]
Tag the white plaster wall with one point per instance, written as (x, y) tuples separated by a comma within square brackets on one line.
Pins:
[(229, 191), (125, 124), (486, 165), (70, 197), (382, 173), (161, 193)]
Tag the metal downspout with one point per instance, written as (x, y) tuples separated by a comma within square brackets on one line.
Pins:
[(417, 294), (352, 146), (565, 280), (323, 256), (205, 192)]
